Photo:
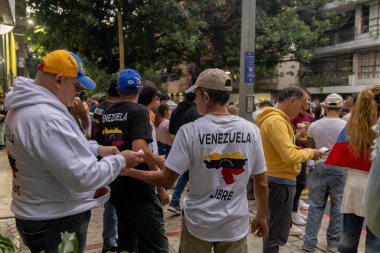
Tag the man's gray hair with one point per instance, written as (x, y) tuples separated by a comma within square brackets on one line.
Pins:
[(292, 91)]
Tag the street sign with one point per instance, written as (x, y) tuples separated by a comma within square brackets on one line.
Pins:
[(249, 65)]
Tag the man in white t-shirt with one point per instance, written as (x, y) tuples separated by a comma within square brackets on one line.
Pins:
[(325, 181), (221, 152)]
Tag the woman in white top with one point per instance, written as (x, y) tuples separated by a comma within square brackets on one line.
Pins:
[(361, 136), (164, 138)]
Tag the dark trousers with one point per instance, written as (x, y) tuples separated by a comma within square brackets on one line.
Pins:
[(349, 240), (46, 235), (279, 216), (301, 184), (141, 227)]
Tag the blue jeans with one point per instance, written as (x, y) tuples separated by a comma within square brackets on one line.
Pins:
[(325, 181), (179, 187), (109, 226), (46, 235), (349, 240)]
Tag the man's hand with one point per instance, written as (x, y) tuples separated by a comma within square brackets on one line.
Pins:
[(2, 117), (318, 154), (132, 158), (163, 196), (161, 162), (300, 133), (100, 192), (108, 150), (125, 172), (259, 227)]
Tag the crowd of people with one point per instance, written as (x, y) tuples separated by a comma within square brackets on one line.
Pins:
[(69, 156)]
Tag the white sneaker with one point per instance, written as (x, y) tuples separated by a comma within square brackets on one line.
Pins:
[(174, 209), (303, 205), (294, 231), (297, 219)]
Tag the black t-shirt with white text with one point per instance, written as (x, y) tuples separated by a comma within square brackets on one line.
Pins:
[(96, 120), (121, 124)]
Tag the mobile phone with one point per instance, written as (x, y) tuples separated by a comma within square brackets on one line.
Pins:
[(324, 150)]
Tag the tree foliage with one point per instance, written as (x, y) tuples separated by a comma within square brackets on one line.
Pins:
[(161, 34)]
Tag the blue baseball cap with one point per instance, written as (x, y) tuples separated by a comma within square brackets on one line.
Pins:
[(68, 64), (129, 81)]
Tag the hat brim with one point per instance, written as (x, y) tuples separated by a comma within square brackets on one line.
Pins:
[(86, 82), (332, 105), (191, 89)]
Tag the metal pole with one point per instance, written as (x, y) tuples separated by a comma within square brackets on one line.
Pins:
[(247, 59), (121, 39)]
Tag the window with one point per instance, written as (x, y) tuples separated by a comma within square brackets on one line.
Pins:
[(365, 18), (369, 65)]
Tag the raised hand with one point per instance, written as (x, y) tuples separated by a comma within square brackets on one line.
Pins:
[(132, 158)]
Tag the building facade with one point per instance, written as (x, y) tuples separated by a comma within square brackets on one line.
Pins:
[(8, 66), (351, 61)]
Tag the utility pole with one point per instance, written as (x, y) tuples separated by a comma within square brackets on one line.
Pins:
[(121, 36), (247, 59)]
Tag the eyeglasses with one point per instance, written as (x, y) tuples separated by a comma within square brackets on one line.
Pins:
[(78, 86)]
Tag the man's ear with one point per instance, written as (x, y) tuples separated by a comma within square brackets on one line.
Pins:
[(58, 80), (206, 96)]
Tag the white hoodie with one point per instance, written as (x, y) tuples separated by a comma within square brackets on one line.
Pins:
[(55, 168)]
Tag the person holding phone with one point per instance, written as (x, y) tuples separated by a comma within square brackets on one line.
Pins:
[(325, 181)]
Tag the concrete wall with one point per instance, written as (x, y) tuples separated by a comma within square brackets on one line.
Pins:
[(288, 71)]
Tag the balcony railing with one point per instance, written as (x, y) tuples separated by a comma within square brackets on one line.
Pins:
[(343, 35), (371, 26), (326, 79)]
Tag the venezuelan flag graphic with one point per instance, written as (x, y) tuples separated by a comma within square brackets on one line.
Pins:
[(341, 155), (114, 135), (231, 165)]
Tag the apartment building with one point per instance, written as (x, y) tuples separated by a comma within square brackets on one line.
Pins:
[(7, 45), (351, 61)]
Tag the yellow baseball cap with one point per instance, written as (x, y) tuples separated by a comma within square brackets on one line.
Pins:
[(68, 64)]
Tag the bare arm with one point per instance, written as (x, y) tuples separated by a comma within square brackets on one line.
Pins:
[(162, 178), (259, 224), (261, 194), (171, 137), (149, 157), (162, 194)]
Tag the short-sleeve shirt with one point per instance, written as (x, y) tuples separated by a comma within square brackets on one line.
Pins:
[(97, 119), (121, 124), (221, 153), (325, 133), (162, 132), (302, 118)]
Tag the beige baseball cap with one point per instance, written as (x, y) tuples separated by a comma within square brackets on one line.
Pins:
[(333, 100), (213, 79)]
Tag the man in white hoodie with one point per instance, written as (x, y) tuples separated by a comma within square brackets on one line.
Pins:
[(57, 178)]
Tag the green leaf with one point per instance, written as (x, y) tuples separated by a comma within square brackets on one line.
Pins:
[(6, 245), (69, 243)]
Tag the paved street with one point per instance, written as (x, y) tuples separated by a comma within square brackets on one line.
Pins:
[(172, 223)]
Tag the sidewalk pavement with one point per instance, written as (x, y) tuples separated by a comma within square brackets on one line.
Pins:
[(172, 223)]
